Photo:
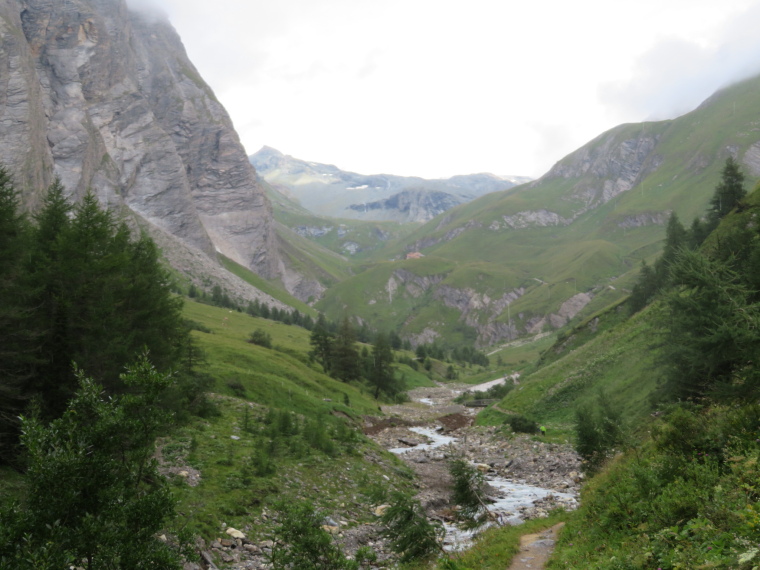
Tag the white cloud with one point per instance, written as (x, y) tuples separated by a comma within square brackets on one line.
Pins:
[(442, 87), (152, 9), (675, 75)]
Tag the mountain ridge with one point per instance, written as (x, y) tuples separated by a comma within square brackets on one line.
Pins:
[(568, 243), (326, 190)]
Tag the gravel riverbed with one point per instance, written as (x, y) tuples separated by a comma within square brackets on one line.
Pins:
[(506, 458)]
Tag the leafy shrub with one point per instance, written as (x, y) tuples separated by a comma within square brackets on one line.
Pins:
[(300, 542), (237, 388), (522, 424), (194, 325), (261, 338), (411, 534), (598, 430)]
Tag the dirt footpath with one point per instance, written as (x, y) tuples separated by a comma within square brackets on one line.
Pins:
[(535, 549)]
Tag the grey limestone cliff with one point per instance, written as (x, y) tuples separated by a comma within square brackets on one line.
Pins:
[(106, 99)]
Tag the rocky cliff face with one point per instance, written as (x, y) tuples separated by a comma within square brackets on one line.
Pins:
[(106, 99)]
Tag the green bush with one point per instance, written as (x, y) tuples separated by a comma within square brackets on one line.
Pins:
[(598, 431), (411, 534), (261, 338), (300, 542), (237, 388), (521, 424), (688, 497)]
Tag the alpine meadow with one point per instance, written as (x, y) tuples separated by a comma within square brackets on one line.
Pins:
[(210, 360)]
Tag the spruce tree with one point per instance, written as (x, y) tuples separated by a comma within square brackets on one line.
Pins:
[(382, 374), (16, 340), (729, 192), (321, 343), (53, 378), (345, 357)]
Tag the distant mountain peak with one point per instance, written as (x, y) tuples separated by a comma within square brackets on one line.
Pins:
[(326, 190)]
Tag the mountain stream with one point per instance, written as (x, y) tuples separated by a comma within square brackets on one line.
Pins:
[(526, 476)]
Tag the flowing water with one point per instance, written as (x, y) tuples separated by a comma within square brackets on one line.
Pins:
[(513, 496)]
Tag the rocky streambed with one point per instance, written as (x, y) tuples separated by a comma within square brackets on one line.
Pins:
[(527, 477)]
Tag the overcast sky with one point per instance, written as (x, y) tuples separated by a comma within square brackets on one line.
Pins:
[(436, 88)]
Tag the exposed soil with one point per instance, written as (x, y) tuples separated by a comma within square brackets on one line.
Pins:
[(535, 549)]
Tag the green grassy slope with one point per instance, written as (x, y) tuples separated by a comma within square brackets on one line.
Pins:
[(263, 285), (281, 376), (250, 382), (599, 252), (608, 352)]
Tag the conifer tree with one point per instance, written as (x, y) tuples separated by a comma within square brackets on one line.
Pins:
[(97, 298), (729, 192), (321, 342), (47, 274), (94, 491), (382, 373), (345, 357), (712, 331), (15, 336)]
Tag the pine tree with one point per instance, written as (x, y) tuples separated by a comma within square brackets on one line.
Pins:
[(697, 233), (321, 343), (676, 238), (712, 331), (644, 289), (52, 375), (729, 192), (97, 298), (345, 357), (382, 373), (16, 340)]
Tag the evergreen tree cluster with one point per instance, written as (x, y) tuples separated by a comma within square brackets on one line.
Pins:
[(220, 298), (459, 354), (76, 287), (339, 356), (728, 195), (708, 278)]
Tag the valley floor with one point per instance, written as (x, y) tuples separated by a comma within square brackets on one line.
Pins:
[(501, 455)]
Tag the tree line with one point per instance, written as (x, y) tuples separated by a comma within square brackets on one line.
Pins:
[(708, 280), (79, 292), (339, 355)]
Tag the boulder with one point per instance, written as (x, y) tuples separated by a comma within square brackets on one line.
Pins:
[(235, 533)]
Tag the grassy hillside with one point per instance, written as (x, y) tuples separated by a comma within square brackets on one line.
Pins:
[(608, 352), (282, 376), (602, 211), (263, 285), (680, 490), (246, 465)]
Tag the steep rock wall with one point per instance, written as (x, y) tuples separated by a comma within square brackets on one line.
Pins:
[(106, 99)]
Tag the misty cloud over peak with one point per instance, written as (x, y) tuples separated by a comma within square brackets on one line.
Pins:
[(675, 75), (152, 10)]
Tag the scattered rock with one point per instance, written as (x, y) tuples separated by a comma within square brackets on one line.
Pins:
[(234, 533), (380, 511)]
